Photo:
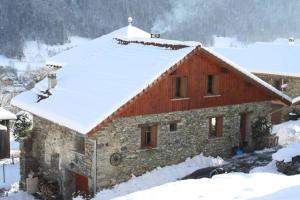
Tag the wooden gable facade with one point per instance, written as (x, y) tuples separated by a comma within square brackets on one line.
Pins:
[(231, 87)]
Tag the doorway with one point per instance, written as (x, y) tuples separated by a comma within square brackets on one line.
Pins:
[(82, 185), (243, 129)]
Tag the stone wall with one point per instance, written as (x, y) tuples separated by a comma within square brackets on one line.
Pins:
[(289, 168), (293, 88), (53, 152), (123, 136)]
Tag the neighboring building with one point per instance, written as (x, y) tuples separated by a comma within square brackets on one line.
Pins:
[(126, 103), (5, 117), (277, 63)]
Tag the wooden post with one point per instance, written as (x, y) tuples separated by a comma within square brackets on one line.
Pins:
[(4, 141)]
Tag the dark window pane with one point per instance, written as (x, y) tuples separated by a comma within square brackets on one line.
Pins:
[(173, 127), (210, 80), (177, 87)]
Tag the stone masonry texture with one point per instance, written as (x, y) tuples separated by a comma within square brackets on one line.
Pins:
[(55, 151)]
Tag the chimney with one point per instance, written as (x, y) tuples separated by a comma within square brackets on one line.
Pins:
[(52, 81), (155, 35), (291, 41), (130, 21)]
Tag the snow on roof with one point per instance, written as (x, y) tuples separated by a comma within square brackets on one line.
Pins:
[(6, 115), (278, 57), (99, 77), (3, 128), (249, 74), (296, 100)]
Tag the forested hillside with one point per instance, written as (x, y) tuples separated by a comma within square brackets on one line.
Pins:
[(53, 21)]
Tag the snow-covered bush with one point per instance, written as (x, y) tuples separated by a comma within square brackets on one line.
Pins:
[(23, 125)]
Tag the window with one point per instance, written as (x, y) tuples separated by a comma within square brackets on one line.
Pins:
[(179, 87), (212, 87), (148, 136), (278, 84), (55, 161), (173, 127), (79, 145), (215, 126)]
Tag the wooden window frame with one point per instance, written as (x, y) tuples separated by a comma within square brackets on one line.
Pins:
[(212, 85), (219, 127), (179, 87), (148, 136)]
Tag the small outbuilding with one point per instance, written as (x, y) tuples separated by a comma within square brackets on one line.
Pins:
[(5, 117)]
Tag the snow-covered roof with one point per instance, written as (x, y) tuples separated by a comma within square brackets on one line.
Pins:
[(3, 128), (6, 115), (100, 76), (296, 100), (278, 57)]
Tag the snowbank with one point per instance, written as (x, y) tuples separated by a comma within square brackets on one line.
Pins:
[(12, 172), (286, 154), (159, 176), (226, 186), (288, 132)]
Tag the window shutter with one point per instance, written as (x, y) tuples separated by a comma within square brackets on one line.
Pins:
[(173, 87), (219, 126), (216, 84), (153, 136), (142, 136), (183, 88)]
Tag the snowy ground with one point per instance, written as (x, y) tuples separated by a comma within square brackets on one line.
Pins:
[(160, 176), (12, 176), (278, 56), (288, 132), (36, 54)]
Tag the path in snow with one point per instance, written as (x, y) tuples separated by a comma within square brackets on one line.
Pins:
[(243, 163)]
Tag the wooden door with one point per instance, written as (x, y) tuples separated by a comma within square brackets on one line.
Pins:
[(243, 128), (82, 185), (276, 113)]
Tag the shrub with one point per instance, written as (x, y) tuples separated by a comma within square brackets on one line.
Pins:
[(22, 125)]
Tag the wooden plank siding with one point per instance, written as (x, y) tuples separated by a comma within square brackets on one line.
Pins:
[(233, 89)]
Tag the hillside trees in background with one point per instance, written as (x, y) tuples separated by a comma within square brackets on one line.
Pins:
[(54, 21)]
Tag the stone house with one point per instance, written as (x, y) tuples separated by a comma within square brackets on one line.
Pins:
[(288, 84), (5, 118), (126, 103), (276, 63)]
